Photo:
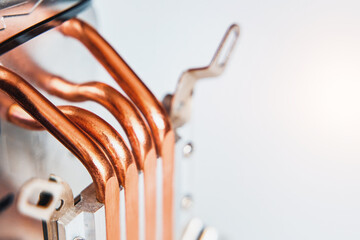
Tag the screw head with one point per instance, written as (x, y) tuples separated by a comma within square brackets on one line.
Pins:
[(188, 149), (187, 202)]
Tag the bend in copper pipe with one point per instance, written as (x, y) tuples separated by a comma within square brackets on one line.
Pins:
[(112, 144), (60, 126), (71, 137), (121, 108), (143, 98)]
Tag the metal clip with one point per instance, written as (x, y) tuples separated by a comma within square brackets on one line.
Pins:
[(46, 200), (65, 219), (178, 104)]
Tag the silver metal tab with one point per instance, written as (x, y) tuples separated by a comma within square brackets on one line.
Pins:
[(209, 233), (179, 104), (193, 230), (65, 219)]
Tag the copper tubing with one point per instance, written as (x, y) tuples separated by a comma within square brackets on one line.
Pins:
[(112, 144), (61, 127), (121, 108), (71, 137), (143, 99)]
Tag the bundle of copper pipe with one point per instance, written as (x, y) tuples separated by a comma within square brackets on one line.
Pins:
[(144, 120)]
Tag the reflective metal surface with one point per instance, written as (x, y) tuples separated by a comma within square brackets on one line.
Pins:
[(121, 108), (22, 20), (143, 98), (94, 141), (69, 220), (112, 144), (179, 104), (72, 137)]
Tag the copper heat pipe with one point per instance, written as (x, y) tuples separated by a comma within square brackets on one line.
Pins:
[(112, 144), (121, 108), (52, 119), (151, 108)]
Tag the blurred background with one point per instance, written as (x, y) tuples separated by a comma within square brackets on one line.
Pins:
[(277, 136)]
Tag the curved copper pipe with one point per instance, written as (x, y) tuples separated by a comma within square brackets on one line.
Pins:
[(72, 138), (142, 97), (121, 108), (112, 144)]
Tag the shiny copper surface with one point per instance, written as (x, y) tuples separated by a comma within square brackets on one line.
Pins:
[(112, 144), (143, 99), (121, 108), (71, 137)]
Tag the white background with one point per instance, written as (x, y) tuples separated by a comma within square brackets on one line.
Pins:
[(278, 134)]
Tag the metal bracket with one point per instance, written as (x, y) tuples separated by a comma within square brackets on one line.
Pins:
[(59, 195), (178, 105), (65, 219), (46, 200)]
